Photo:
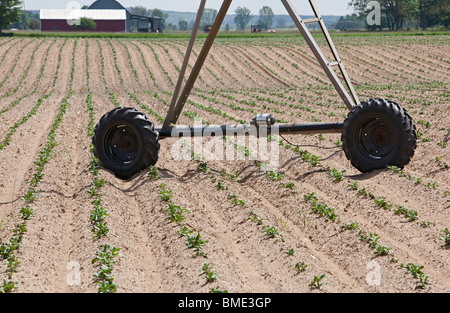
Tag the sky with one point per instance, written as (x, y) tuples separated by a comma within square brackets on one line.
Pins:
[(326, 7)]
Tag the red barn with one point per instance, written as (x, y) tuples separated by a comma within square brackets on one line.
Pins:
[(62, 20)]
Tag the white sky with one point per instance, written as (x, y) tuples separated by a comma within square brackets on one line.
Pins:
[(326, 7)]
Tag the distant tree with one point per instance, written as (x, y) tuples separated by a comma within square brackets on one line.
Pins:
[(242, 18), (280, 22), (139, 10), (163, 16), (34, 24), (266, 17), (350, 22), (396, 12), (9, 12), (86, 23), (84, 7), (208, 17), (182, 24), (24, 19), (433, 13)]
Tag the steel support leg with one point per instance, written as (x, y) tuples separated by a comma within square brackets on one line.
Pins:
[(185, 64), (301, 25), (200, 61)]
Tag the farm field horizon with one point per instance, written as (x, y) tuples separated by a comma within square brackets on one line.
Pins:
[(315, 224)]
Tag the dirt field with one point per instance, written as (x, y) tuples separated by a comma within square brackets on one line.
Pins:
[(53, 91)]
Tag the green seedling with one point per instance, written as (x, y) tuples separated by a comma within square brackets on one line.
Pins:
[(290, 252), (425, 224), (310, 197), (416, 272), (274, 175), (350, 226), (184, 231), (317, 282), (165, 195), (8, 286), (381, 202), (209, 273), (353, 186), (381, 250), (203, 166), (175, 213), (236, 201), (104, 278), (324, 210), (196, 242), (255, 218), (445, 236), (410, 214), (270, 231), (363, 192), (26, 212), (217, 290), (432, 185), (336, 175), (288, 185), (373, 239), (153, 172), (300, 266), (221, 186), (396, 170), (30, 196)]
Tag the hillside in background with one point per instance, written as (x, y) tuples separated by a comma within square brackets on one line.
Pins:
[(279, 21)]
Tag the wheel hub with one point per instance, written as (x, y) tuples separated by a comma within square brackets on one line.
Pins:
[(122, 144), (376, 139)]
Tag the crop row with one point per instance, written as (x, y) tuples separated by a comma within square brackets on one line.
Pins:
[(106, 253)]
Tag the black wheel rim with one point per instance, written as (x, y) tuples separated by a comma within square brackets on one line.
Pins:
[(122, 144), (376, 138)]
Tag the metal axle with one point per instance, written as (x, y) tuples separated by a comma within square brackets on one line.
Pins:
[(248, 130)]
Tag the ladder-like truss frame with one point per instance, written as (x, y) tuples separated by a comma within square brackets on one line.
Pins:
[(349, 97)]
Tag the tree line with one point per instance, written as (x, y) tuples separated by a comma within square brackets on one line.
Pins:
[(398, 14), (394, 15)]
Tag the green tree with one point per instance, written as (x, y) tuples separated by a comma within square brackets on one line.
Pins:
[(34, 24), (208, 17), (9, 12), (396, 12), (182, 24), (242, 18), (266, 17), (85, 23), (434, 13), (163, 16), (139, 10)]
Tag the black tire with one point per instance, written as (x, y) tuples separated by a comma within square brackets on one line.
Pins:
[(125, 142), (378, 133)]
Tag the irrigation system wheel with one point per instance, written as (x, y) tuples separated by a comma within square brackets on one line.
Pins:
[(378, 133), (125, 142)]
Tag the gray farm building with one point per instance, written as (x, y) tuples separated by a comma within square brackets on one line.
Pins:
[(109, 16)]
